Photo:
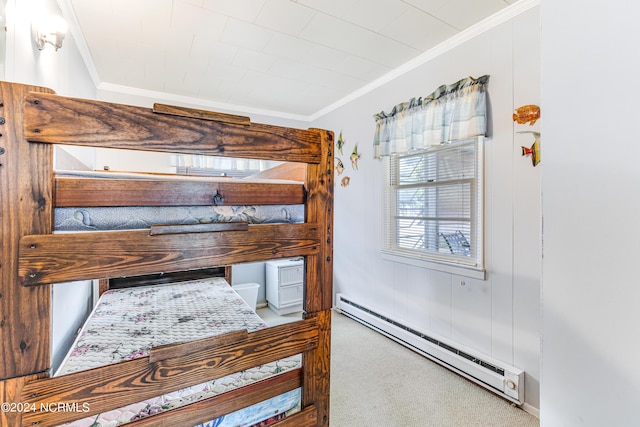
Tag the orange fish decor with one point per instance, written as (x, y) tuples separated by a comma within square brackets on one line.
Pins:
[(527, 114)]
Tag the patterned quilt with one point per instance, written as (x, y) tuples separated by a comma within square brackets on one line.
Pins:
[(127, 323)]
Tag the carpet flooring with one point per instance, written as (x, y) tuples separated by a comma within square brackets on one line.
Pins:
[(377, 382)]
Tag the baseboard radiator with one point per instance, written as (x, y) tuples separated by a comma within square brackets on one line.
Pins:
[(504, 380)]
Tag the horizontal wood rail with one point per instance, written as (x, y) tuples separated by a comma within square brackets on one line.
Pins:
[(165, 352), (61, 120), (308, 417), (78, 192), (225, 403), (114, 386), (200, 114), (54, 258), (162, 229)]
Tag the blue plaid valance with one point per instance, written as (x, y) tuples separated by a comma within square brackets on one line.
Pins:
[(451, 113)]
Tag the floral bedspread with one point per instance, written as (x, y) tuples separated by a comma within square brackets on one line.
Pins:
[(127, 323)]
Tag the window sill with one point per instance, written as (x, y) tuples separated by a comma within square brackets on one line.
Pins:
[(460, 270)]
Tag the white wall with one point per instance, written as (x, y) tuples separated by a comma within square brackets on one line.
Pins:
[(499, 316), (591, 296), (64, 72)]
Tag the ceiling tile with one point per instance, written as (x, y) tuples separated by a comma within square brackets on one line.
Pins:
[(462, 14), (324, 57), (155, 77), (286, 46), (428, 6), (195, 85), (300, 102), (128, 73), (385, 51), (170, 40), (315, 76), (196, 64), (337, 34), (198, 3), (245, 10), (284, 16), (137, 8), (224, 72), (252, 60), (233, 91), (331, 7), (215, 52), (241, 34), (418, 29), (374, 14), (196, 20), (362, 69)]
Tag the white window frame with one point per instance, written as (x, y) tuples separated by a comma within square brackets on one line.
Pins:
[(433, 255)]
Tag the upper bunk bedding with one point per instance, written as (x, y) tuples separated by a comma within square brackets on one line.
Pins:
[(127, 323), (114, 216)]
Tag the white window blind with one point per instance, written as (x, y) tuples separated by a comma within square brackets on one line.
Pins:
[(433, 204)]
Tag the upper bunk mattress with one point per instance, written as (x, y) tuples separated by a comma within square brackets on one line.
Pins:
[(127, 323), (70, 219), (143, 217)]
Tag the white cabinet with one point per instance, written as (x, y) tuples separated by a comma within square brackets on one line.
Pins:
[(285, 285)]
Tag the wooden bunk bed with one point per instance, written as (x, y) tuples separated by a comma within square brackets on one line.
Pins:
[(33, 257)]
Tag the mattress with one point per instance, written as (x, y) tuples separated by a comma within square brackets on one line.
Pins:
[(143, 217), (127, 323), (71, 219)]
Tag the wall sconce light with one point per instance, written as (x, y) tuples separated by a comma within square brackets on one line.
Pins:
[(51, 30)]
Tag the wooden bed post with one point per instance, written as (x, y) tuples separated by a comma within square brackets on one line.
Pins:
[(319, 268), (25, 208)]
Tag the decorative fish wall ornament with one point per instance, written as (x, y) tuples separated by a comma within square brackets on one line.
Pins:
[(339, 166), (340, 143), (527, 114), (344, 182), (534, 150), (354, 157)]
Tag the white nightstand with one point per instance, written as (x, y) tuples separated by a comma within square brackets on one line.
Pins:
[(285, 285)]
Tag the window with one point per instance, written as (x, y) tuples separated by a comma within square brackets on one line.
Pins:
[(433, 204), (199, 165)]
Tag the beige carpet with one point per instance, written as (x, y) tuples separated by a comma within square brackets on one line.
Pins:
[(377, 382)]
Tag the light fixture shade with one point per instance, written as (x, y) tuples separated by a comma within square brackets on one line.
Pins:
[(51, 30)]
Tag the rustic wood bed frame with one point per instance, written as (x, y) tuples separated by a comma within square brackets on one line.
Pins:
[(34, 118)]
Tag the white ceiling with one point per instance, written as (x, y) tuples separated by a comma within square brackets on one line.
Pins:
[(293, 57)]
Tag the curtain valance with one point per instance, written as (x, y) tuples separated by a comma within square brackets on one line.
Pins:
[(451, 113)]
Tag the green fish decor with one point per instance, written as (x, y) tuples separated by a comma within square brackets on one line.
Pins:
[(340, 143), (354, 157)]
